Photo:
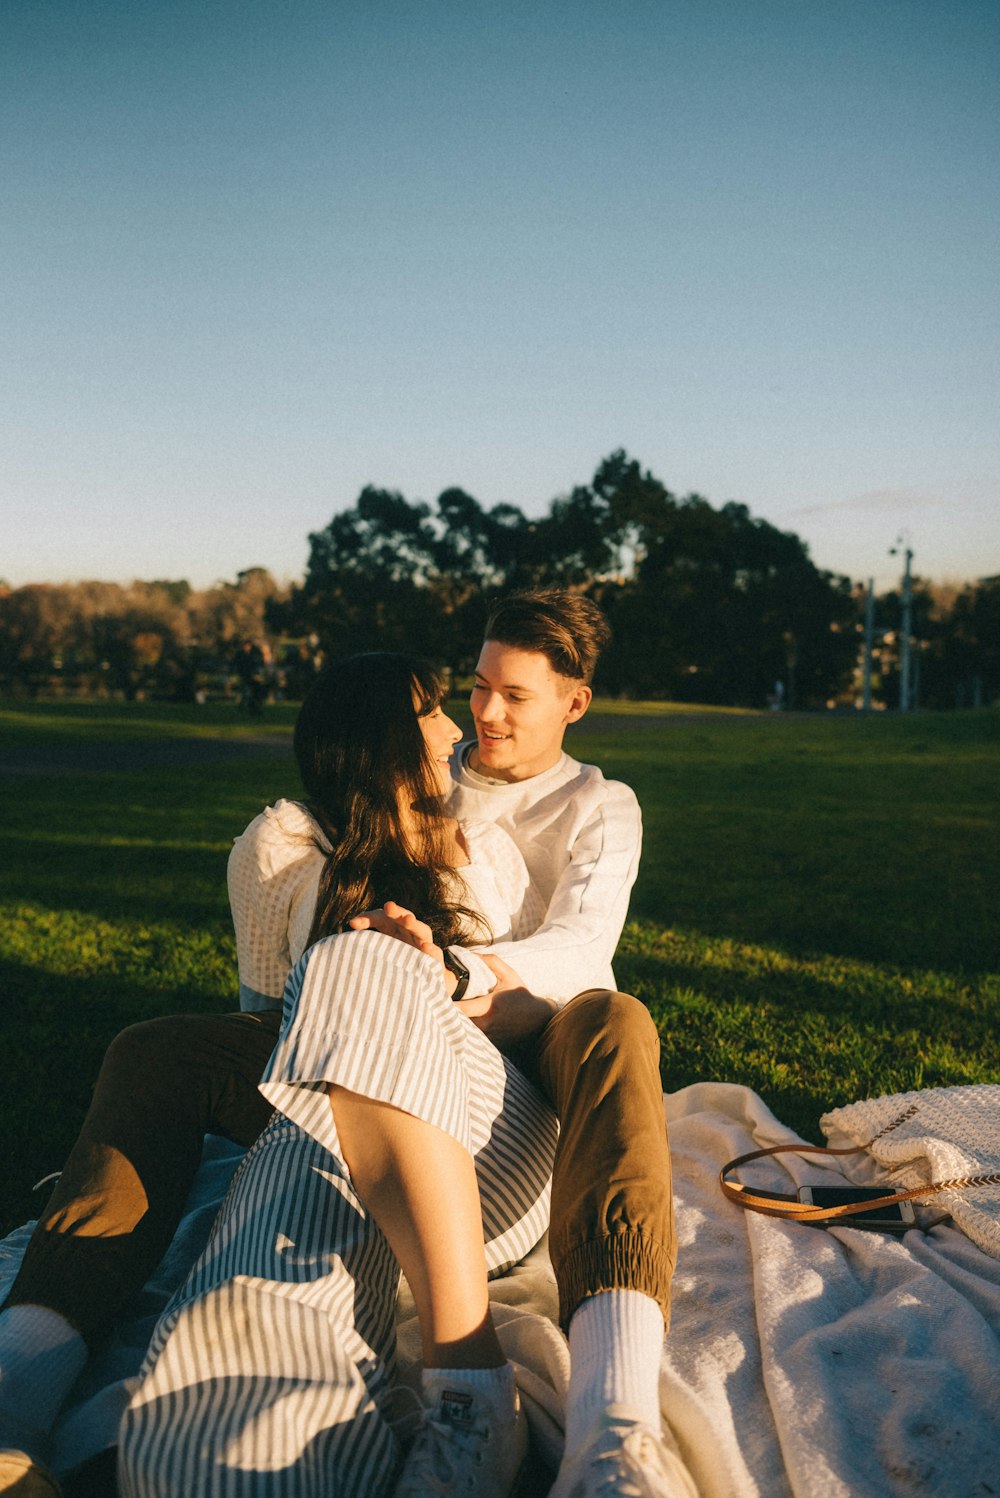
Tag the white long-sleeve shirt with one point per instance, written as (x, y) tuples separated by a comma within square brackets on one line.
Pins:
[(580, 836)]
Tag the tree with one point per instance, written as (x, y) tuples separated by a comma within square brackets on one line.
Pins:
[(366, 583), (714, 605), (960, 667), (35, 626), (392, 575), (473, 554), (708, 604), (223, 616), (146, 637)]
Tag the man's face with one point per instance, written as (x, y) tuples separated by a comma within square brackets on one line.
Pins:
[(521, 708)]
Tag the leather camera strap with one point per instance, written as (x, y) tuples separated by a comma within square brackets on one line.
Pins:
[(778, 1204)]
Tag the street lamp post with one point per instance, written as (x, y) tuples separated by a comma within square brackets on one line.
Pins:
[(904, 654)]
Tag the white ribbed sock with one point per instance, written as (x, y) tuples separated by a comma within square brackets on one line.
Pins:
[(615, 1346), (41, 1357), (495, 1385)]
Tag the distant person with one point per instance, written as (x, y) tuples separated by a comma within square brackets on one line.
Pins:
[(250, 669), (268, 672)]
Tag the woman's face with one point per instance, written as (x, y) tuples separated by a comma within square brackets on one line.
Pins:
[(441, 735)]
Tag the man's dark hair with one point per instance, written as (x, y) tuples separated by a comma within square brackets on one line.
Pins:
[(568, 629)]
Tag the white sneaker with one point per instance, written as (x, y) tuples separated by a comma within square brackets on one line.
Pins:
[(623, 1456), (462, 1447)]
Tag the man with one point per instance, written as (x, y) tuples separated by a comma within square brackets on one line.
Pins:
[(166, 1082), (611, 1238)]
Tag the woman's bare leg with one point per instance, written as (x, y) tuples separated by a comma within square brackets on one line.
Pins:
[(420, 1186)]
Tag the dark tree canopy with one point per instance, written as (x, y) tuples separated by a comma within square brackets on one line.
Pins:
[(707, 604)]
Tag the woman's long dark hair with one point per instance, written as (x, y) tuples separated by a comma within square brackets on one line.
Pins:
[(358, 744)]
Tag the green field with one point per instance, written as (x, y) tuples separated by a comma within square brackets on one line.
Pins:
[(815, 915)]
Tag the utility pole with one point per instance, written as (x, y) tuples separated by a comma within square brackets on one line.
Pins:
[(866, 677), (904, 653)]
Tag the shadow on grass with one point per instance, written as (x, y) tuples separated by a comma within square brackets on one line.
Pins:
[(54, 1030), (141, 756), (946, 928), (116, 882)]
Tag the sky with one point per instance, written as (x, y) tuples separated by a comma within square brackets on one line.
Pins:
[(256, 254)]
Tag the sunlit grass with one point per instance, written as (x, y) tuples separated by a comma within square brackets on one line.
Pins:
[(72, 720), (808, 1033), (75, 944)]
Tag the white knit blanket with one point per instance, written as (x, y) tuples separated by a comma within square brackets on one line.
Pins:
[(951, 1133), (800, 1363)]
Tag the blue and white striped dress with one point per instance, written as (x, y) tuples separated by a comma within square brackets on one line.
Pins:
[(268, 1373)]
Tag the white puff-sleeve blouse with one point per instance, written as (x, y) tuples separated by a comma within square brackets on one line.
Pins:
[(273, 876)]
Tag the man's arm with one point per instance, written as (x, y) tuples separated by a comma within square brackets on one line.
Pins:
[(509, 1013), (573, 947)]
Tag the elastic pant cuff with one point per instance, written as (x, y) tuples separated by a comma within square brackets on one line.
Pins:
[(624, 1261)]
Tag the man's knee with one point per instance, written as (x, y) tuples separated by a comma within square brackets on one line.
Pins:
[(602, 1020), (188, 1060), (148, 1048)]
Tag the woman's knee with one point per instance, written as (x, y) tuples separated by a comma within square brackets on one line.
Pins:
[(361, 979)]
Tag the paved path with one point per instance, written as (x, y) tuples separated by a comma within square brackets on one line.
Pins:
[(92, 757)]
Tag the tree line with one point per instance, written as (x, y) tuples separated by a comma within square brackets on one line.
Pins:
[(160, 638), (707, 604)]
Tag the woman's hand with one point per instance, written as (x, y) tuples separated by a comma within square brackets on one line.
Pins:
[(509, 1013), (396, 921)]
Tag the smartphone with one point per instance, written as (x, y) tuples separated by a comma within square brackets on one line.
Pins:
[(896, 1217)]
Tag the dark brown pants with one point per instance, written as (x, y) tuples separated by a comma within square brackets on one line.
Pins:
[(165, 1083)]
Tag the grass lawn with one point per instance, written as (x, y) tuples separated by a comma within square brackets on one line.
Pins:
[(815, 915)]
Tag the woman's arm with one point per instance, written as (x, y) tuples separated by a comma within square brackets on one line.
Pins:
[(273, 876)]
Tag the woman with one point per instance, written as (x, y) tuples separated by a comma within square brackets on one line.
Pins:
[(402, 1137)]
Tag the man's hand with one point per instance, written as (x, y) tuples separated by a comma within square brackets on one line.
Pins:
[(398, 922), (509, 1013)]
